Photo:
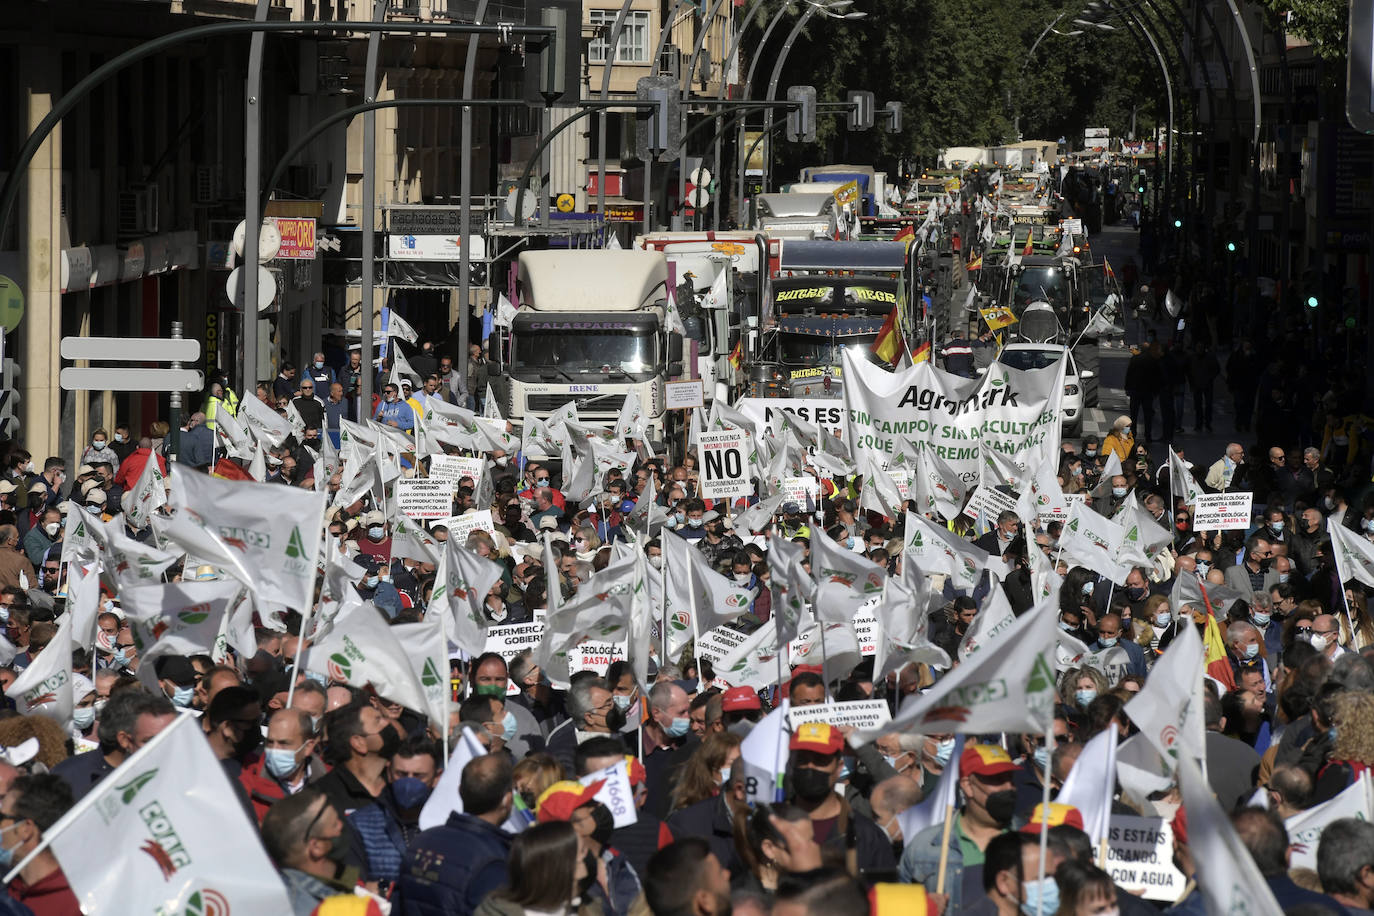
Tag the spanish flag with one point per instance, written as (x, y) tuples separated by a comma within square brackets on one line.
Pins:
[(922, 353), (1030, 245), (1111, 274), (737, 354), (908, 232), (975, 264), (888, 346)]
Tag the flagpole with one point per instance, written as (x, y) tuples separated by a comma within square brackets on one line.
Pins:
[(301, 648), (1044, 816), (448, 694)]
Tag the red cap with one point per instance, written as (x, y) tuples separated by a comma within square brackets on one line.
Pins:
[(818, 737), (985, 760), (1059, 815), (1180, 825), (562, 798), (737, 698)]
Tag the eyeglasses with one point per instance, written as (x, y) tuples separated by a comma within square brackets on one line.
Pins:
[(1303, 629)]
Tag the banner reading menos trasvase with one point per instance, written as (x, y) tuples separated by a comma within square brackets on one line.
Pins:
[(1013, 411)]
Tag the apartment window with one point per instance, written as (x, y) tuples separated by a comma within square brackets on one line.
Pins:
[(634, 37)]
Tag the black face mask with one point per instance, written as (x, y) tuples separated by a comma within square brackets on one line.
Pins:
[(252, 737), (391, 743), (585, 883), (605, 823), (810, 785), (1001, 806), (615, 719)]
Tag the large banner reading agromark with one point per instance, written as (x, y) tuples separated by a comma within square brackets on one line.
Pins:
[(1013, 411)]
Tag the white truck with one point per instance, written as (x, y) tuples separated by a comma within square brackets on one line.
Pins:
[(590, 328)]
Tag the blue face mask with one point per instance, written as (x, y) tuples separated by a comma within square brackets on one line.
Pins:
[(1277, 526), (1042, 897), (280, 761), (83, 717), (375, 532), (182, 696), (680, 727), (1107, 641), (1084, 697), (371, 581), (121, 658), (508, 725), (944, 751), (1260, 620), (410, 793), (893, 762), (7, 854), (1119, 492), (1087, 588), (696, 522), (1042, 758), (1252, 650)]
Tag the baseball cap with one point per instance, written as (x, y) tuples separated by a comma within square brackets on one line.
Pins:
[(737, 698), (177, 669), (374, 518), (985, 760), (7, 487), (1058, 815), (561, 799), (21, 753), (818, 737), (84, 470)]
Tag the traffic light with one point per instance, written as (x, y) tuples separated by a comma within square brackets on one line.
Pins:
[(801, 121), (1178, 224), (893, 111), (860, 110), (1312, 302), (659, 128), (1231, 247)]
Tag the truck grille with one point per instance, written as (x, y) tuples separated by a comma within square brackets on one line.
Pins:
[(548, 403)]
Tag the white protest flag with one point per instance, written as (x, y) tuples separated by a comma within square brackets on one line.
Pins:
[(906, 612), (410, 540), (491, 407), (1092, 540), (880, 491), (934, 808), (396, 326), (293, 416), (631, 424), (45, 686), (505, 312), (1045, 578), (1042, 494), (277, 529), (600, 611), (83, 535), (938, 488), (183, 618), (1305, 828), (401, 371), (264, 422), (757, 517), (188, 531), (764, 754), (148, 495), (844, 580), (1165, 709), (1141, 536), (83, 602), (257, 464), (790, 585), (641, 617), (464, 584), (999, 470), (1091, 784), (1184, 485), (129, 561), (357, 647), (995, 617), (171, 834), (938, 550), (1229, 879), (427, 650), (1354, 553), (1111, 469), (697, 598), (230, 433), (579, 468), (1138, 769), (673, 316), (1009, 686), (537, 439), (754, 662), (445, 800)]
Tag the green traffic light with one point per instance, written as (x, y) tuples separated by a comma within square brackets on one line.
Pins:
[(1178, 224), (1311, 302), (1230, 246)]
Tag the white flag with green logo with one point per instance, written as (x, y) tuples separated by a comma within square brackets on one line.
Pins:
[(1354, 553), (427, 651), (461, 586), (83, 536), (1092, 540), (1142, 537), (754, 662), (266, 425), (1008, 686), (1168, 709), (171, 835), (132, 562), (184, 618), (148, 495), (844, 580), (1181, 479), (45, 686), (936, 549), (277, 529), (359, 648), (1230, 880), (790, 585), (601, 611), (696, 598), (993, 619)]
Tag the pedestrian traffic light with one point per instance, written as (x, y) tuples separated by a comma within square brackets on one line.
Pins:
[(1312, 302), (860, 109), (801, 121), (1231, 247)]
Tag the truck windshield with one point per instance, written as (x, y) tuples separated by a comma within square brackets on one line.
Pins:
[(1042, 284), (585, 350), (1030, 359), (809, 350)]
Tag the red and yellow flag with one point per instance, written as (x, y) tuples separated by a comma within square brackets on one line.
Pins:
[(907, 232), (737, 354), (975, 264), (887, 346), (1108, 266), (1030, 245), (922, 353)]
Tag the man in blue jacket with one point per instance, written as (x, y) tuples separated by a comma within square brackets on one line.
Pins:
[(449, 869)]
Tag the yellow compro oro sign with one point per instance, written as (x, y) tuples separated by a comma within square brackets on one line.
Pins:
[(847, 193), (565, 203)]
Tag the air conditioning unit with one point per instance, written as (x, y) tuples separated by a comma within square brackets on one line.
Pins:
[(138, 211), (207, 185)]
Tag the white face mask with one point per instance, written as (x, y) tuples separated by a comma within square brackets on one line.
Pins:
[(52, 528), (656, 561)]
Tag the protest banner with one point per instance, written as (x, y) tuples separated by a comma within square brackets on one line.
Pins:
[(803, 491), (1140, 857), (855, 713), (460, 526), (422, 497), (990, 502), (454, 468), (1223, 511), (828, 414), (723, 458), (718, 643)]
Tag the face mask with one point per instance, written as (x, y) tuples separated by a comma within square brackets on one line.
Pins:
[(83, 717), (119, 437), (696, 522), (97, 444), (1041, 897), (1202, 568), (489, 690), (944, 751), (1001, 806), (656, 561), (1119, 492), (541, 481), (181, 696), (502, 461), (1283, 577), (1252, 650), (1087, 588), (605, 824), (1065, 627), (680, 727), (1261, 620), (410, 793), (1090, 452), (742, 578), (391, 743), (724, 776), (28, 468), (1318, 642), (52, 528), (1042, 758), (371, 581), (615, 719), (1084, 697), (508, 725), (318, 364), (1277, 526), (375, 532), (252, 737), (1107, 641), (1367, 524), (1137, 594), (339, 848), (6, 853), (621, 702), (810, 785), (280, 761), (892, 762), (121, 658), (1163, 619)]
